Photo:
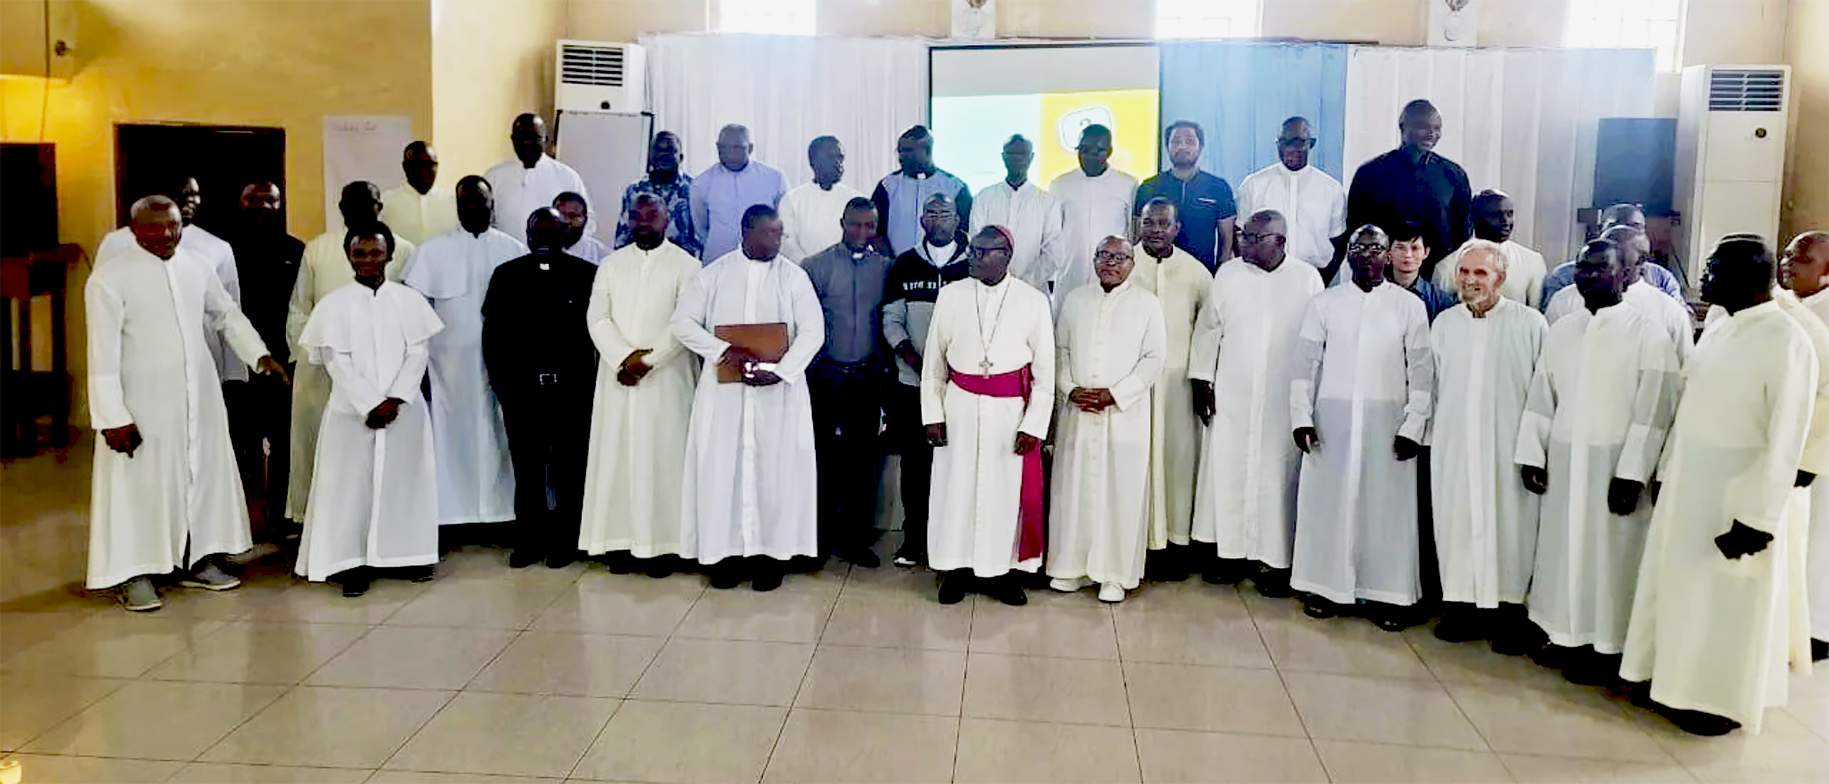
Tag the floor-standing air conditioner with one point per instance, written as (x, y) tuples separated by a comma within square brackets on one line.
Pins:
[(601, 77), (1730, 161)]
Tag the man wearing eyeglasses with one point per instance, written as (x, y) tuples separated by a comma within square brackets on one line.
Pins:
[(1311, 201)]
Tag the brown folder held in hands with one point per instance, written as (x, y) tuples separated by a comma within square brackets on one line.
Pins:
[(767, 341)]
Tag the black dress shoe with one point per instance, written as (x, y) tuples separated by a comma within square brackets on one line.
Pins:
[(1555, 656), (1168, 565), (725, 575), (1224, 571), (619, 562), (1697, 722), (1008, 589), (1317, 607), (561, 559), (1590, 668), (1274, 584), (1819, 650), (1394, 618), (862, 557), (524, 557), (767, 578), (1461, 626), (953, 587), (1520, 637), (419, 574), (356, 582), (661, 566)]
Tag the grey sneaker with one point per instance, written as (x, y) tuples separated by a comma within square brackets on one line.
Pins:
[(138, 595), (211, 578)]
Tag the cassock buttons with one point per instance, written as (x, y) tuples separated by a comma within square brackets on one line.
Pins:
[(545, 266)]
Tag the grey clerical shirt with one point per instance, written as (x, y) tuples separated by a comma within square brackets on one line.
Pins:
[(850, 286)]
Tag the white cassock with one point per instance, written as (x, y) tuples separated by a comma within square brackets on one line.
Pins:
[(1181, 284), (638, 434), (1363, 377), (475, 476), (325, 269), (750, 483), (974, 507), (1713, 634), (1312, 202), (1485, 521), (810, 218), (1663, 311), (1035, 221), (180, 492), (1245, 500), (1092, 208), (1600, 406), (376, 490), (1818, 549), (1099, 523), (1524, 274), (418, 217), (216, 254), (590, 249), (520, 190)]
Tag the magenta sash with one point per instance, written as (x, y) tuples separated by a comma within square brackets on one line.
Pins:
[(1016, 383)]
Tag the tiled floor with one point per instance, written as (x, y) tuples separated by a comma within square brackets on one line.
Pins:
[(490, 674)]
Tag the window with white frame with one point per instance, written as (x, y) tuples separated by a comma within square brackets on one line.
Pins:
[(1627, 24), (1207, 18), (773, 17)]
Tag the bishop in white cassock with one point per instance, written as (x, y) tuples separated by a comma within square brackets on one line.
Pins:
[(475, 476), (1110, 345), (1096, 202), (1712, 623), (1181, 284), (1032, 215), (417, 210), (376, 491), (1806, 268), (1311, 201), (632, 491), (987, 380), (1485, 351), (1239, 363), (166, 493), (1493, 221), (751, 486), (325, 269), (1360, 405), (531, 180), (1641, 296), (1600, 406), (811, 212)]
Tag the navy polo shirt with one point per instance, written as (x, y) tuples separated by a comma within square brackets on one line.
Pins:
[(1201, 203)]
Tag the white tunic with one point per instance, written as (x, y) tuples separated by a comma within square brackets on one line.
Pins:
[(974, 504), (810, 218), (1818, 550), (1600, 406), (417, 217), (1035, 220), (1312, 202), (1092, 209), (180, 492), (1099, 518), (1663, 311), (1713, 634), (325, 269), (750, 483), (376, 491), (217, 255), (1524, 274), (1363, 377), (1181, 283), (475, 476), (1485, 521), (520, 190), (638, 434), (1245, 500)]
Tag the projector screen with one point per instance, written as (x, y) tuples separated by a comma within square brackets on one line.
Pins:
[(980, 95)]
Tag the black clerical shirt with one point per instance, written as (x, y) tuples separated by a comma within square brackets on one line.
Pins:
[(1391, 188), (267, 264), (534, 328)]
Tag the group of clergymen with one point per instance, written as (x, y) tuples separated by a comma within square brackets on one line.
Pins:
[(1077, 383)]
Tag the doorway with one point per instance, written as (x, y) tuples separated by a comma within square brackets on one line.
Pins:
[(223, 158)]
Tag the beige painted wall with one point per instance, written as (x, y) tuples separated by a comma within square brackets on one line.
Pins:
[(1806, 199), (491, 60)]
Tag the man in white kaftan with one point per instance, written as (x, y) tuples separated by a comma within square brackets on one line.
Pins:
[(1601, 402), (1110, 345), (531, 180), (644, 396), (1311, 201), (475, 476), (1712, 623), (1181, 284), (1485, 350), (987, 381), (325, 269), (1360, 404), (1245, 500), (166, 493), (1494, 219), (1640, 295), (417, 210), (811, 212), (1032, 215), (1096, 202), (376, 490), (1806, 267), (751, 485)]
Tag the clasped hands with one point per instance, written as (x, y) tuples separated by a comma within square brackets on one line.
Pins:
[(1308, 440), (741, 359), (1091, 401), (635, 367), (1025, 443), (384, 414)]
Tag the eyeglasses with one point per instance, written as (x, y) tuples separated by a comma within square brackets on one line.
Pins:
[(1367, 247), (1295, 143), (980, 250), (1252, 238), (1110, 258)]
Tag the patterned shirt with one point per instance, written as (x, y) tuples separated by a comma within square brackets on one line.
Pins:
[(678, 196)]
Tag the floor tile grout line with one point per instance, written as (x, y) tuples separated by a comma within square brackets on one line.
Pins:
[(1313, 746), (1458, 707), (971, 624), (1130, 710), (804, 674)]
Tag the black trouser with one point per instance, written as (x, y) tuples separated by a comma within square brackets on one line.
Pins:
[(549, 433), (847, 410), (1427, 564), (260, 411), (902, 403)]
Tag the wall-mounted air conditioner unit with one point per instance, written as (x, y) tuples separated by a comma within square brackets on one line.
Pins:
[(601, 77), (1730, 162)]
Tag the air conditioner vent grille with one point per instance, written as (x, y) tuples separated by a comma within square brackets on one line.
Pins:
[(1750, 90), (592, 65)]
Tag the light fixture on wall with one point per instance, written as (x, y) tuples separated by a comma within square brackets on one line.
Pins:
[(1454, 22), (976, 19)]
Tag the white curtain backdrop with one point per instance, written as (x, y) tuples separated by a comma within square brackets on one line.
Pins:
[(1522, 121), (789, 90)]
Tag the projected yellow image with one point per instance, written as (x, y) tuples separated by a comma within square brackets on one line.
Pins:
[(1130, 114)]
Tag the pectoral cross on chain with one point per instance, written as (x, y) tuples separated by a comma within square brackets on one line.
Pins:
[(984, 364)]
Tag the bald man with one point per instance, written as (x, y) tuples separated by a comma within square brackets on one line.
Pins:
[(1494, 219), (1806, 274), (260, 409), (1311, 201), (725, 191), (1633, 217), (1414, 183), (531, 180), (417, 210), (903, 194)]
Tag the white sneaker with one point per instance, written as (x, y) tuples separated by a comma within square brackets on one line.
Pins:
[(211, 578), (1111, 592), (1068, 584), (139, 595)]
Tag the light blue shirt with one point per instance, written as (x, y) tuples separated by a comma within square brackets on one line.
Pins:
[(1653, 273), (719, 197)]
